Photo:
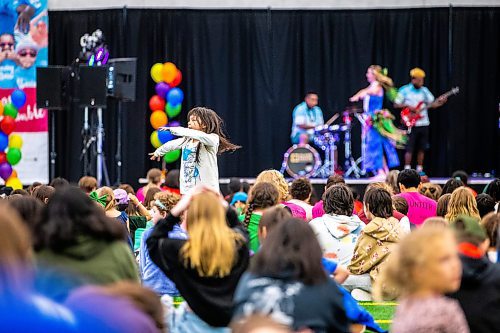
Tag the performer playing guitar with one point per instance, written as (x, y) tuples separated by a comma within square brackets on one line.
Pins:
[(414, 95), (410, 116)]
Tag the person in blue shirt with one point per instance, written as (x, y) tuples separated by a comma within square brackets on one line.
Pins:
[(152, 276), (8, 16), (306, 116), (411, 95), (376, 144), (25, 73), (15, 14)]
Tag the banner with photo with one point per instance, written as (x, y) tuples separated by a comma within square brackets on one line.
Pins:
[(23, 47)]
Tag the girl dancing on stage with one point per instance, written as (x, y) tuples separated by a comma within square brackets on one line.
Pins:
[(376, 144), (200, 144)]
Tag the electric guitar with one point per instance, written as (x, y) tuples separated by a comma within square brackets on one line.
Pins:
[(409, 117)]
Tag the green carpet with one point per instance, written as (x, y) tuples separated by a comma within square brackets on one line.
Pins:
[(382, 312)]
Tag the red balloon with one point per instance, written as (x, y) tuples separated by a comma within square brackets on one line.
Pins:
[(156, 103), (3, 157), (7, 124), (177, 80)]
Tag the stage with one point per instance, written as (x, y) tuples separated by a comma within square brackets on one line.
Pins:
[(359, 185)]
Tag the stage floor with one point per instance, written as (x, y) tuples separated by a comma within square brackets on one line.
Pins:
[(359, 185), (366, 181)]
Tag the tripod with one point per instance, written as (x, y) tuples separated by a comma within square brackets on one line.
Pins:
[(351, 164), (92, 152)]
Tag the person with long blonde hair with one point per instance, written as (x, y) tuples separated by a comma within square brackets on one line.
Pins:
[(372, 96), (424, 266), (462, 202), (277, 179), (206, 267)]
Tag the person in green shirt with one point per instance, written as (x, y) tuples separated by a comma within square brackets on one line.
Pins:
[(77, 244), (261, 197)]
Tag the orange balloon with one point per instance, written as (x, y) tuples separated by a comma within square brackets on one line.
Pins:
[(158, 119), (169, 72), (13, 174), (1, 109)]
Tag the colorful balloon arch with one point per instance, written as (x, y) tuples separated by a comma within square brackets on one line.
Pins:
[(165, 105), (10, 143)]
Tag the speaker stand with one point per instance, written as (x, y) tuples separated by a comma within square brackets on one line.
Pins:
[(52, 154), (118, 156), (102, 169)]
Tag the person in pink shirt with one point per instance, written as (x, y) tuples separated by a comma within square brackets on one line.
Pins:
[(154, 180), (419, 206)]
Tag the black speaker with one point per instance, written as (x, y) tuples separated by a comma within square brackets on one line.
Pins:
[(122, 78), (53, 87), (92, 86)]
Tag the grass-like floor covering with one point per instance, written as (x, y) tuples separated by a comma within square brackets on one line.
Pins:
[(382, 312)]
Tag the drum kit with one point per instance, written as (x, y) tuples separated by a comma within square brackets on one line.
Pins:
[(302, 160)]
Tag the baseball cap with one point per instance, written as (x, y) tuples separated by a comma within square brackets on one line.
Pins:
[(121, 196), (417, 72), (239, 196), (26, 43)]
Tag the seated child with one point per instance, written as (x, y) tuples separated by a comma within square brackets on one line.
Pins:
[(151, 275), (375, 243)]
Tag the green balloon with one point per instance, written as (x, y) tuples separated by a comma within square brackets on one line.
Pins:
[(10, 110), (173, 111), (171, 156), (14, 156)]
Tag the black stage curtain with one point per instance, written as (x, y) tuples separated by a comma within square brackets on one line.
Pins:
[(254, 66)]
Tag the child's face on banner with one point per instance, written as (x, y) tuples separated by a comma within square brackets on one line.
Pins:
[(6, 43), (27, 57)]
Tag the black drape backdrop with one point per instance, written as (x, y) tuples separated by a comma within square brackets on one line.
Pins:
[(253, 67)]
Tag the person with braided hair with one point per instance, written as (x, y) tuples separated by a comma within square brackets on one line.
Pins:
[(262, 196), (375, 143)]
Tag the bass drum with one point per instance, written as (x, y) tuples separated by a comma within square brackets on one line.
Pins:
[(301, 161)]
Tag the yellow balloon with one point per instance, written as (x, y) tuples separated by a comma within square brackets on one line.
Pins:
[(156, 72), (15, 141), (155, 141), (15, 183)]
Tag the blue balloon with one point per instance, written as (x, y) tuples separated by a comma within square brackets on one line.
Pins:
[(165, 136), (175, 96), (4, 141), (18, 98)]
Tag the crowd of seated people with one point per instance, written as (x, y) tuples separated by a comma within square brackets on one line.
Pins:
[(264, 258)]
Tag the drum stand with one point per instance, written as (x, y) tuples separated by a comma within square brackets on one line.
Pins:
[(329, 148), (352, 165)]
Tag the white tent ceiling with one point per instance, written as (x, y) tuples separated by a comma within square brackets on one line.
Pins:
[(256, 4)]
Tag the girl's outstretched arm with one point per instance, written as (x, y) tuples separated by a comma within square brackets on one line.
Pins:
[(207, 139), (169, 146)]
